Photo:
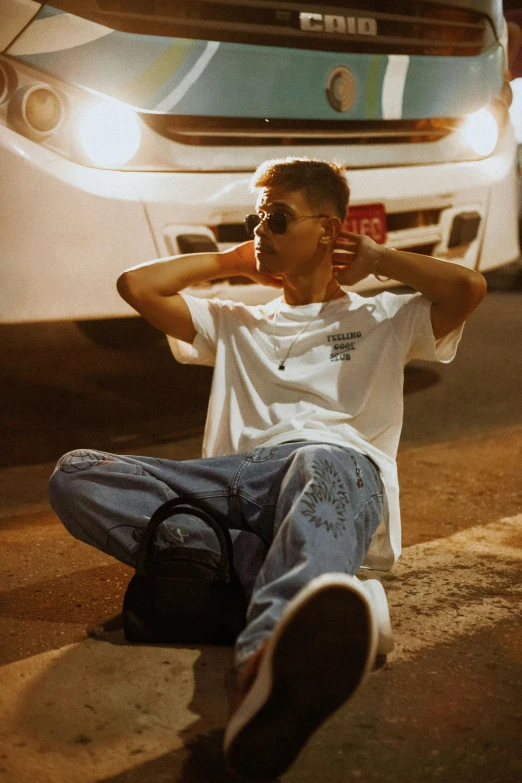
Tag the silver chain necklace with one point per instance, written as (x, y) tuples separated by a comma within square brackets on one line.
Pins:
[(282, 362)]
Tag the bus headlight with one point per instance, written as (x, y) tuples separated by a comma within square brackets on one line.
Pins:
[(480, 132), (109, 134), (35, 110)]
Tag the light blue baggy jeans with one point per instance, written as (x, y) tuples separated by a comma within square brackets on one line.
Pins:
[(295, 511)]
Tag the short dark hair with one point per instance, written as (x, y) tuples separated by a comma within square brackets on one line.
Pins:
[(321, 180)]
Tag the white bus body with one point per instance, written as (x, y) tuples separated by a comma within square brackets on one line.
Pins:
[(125, 138)]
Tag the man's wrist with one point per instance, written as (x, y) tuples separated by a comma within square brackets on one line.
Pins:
[(228, 262), (380, 256), (381, 263), (239, 260)]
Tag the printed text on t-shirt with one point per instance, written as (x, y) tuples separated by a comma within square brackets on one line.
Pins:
[(343, 344)]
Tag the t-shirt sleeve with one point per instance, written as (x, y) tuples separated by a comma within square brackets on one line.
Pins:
[(410, 316), (205, 317)]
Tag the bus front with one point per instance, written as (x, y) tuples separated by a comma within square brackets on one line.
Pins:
[(130, 131)]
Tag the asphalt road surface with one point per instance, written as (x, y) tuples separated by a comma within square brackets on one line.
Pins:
[(78, 704)]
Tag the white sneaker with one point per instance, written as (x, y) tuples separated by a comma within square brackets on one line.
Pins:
[(381, 612), (320, 653)]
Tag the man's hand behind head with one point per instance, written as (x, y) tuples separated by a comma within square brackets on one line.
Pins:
[(353, 257), (243, 258)]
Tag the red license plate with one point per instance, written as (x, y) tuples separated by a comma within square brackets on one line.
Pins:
[(369, 219)]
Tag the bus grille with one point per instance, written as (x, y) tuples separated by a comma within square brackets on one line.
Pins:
[(248, 132), (409, 27)]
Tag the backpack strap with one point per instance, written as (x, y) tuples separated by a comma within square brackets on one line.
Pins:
[(184, 506)]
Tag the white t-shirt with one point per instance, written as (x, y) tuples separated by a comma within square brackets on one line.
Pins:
[(342, 382)]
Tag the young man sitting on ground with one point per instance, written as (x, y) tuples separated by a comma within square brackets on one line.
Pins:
[(299, 449)]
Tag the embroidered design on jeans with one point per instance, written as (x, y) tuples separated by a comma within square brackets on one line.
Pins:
[(83, 460), (160, 540), (358, 473), (325, 499)]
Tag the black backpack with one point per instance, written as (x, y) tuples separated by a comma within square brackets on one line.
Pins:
[(183, 594)]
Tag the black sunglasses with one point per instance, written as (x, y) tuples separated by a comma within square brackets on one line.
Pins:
[(277, 221)]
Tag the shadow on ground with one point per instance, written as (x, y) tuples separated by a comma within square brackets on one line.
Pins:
[(201, 758)]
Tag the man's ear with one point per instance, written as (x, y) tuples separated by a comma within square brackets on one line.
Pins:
[(331, 230)]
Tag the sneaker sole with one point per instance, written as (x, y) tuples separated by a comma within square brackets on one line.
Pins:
[(319, 655), (381, 613)]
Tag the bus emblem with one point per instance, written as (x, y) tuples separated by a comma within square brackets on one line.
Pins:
[(341, 88), (337, 24)]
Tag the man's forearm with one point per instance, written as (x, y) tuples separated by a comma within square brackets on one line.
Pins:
[(439, 281), (168, 276), (453, 290)]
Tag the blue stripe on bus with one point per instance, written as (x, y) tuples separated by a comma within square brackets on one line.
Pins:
[(244, 80)]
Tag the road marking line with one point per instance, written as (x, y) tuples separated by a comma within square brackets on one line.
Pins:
[(447, 588)]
